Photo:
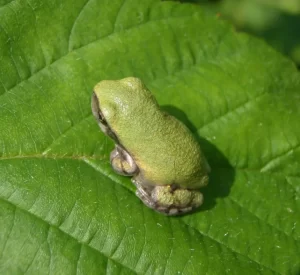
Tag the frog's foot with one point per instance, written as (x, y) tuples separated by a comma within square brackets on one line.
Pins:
[(122, 162), (169, 200)]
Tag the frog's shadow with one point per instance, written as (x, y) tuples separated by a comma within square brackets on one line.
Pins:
[(222, 173)]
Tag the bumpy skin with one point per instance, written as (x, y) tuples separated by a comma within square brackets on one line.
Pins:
[(153, 146)]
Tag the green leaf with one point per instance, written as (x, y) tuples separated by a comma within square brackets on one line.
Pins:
[(277, 22), (290, 6), (63, 209)]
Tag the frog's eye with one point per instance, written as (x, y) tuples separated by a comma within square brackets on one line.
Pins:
[(96, 110), (101, 118)]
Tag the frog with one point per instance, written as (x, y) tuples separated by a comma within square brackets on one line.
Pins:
[(158, 151)]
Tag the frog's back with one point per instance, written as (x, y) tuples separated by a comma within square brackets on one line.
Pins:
[(169, 153), (163, 147)]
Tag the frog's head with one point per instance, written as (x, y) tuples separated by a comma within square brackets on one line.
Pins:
[(114, 102)]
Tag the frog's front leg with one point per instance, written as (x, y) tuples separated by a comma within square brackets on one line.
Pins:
[(122, 162), (168, 199)]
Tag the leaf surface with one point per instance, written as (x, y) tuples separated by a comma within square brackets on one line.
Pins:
[(62, 206)]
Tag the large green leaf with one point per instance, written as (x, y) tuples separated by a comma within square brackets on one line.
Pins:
[(63, 209)]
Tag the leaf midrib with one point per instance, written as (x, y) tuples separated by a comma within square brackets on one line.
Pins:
[(102, 157)]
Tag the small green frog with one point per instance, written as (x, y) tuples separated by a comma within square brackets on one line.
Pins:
[(154, 147)]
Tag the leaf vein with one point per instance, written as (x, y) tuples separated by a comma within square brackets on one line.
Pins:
[(64, 232), (35, 25), (260, 219), (144, 243), (96, 40), (171, 248), (269, 164), (242, 105), (118, 14), (287, 178), (216, 240), (229, 248), (74, 23), (10, 231)]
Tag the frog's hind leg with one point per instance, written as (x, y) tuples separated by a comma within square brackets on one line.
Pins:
[(122, 162), (171, 200)]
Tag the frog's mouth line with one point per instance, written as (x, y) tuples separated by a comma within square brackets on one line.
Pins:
[(96, 110), (104, 126)]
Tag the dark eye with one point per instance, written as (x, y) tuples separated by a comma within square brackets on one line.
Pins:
[(101, 118), (96, 110)]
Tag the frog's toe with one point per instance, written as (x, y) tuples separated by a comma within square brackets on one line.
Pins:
[(173, 211), (169, 201), (178, 201)]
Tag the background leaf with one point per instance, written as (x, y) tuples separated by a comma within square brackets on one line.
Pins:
[(277, 22), (63, 209)]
